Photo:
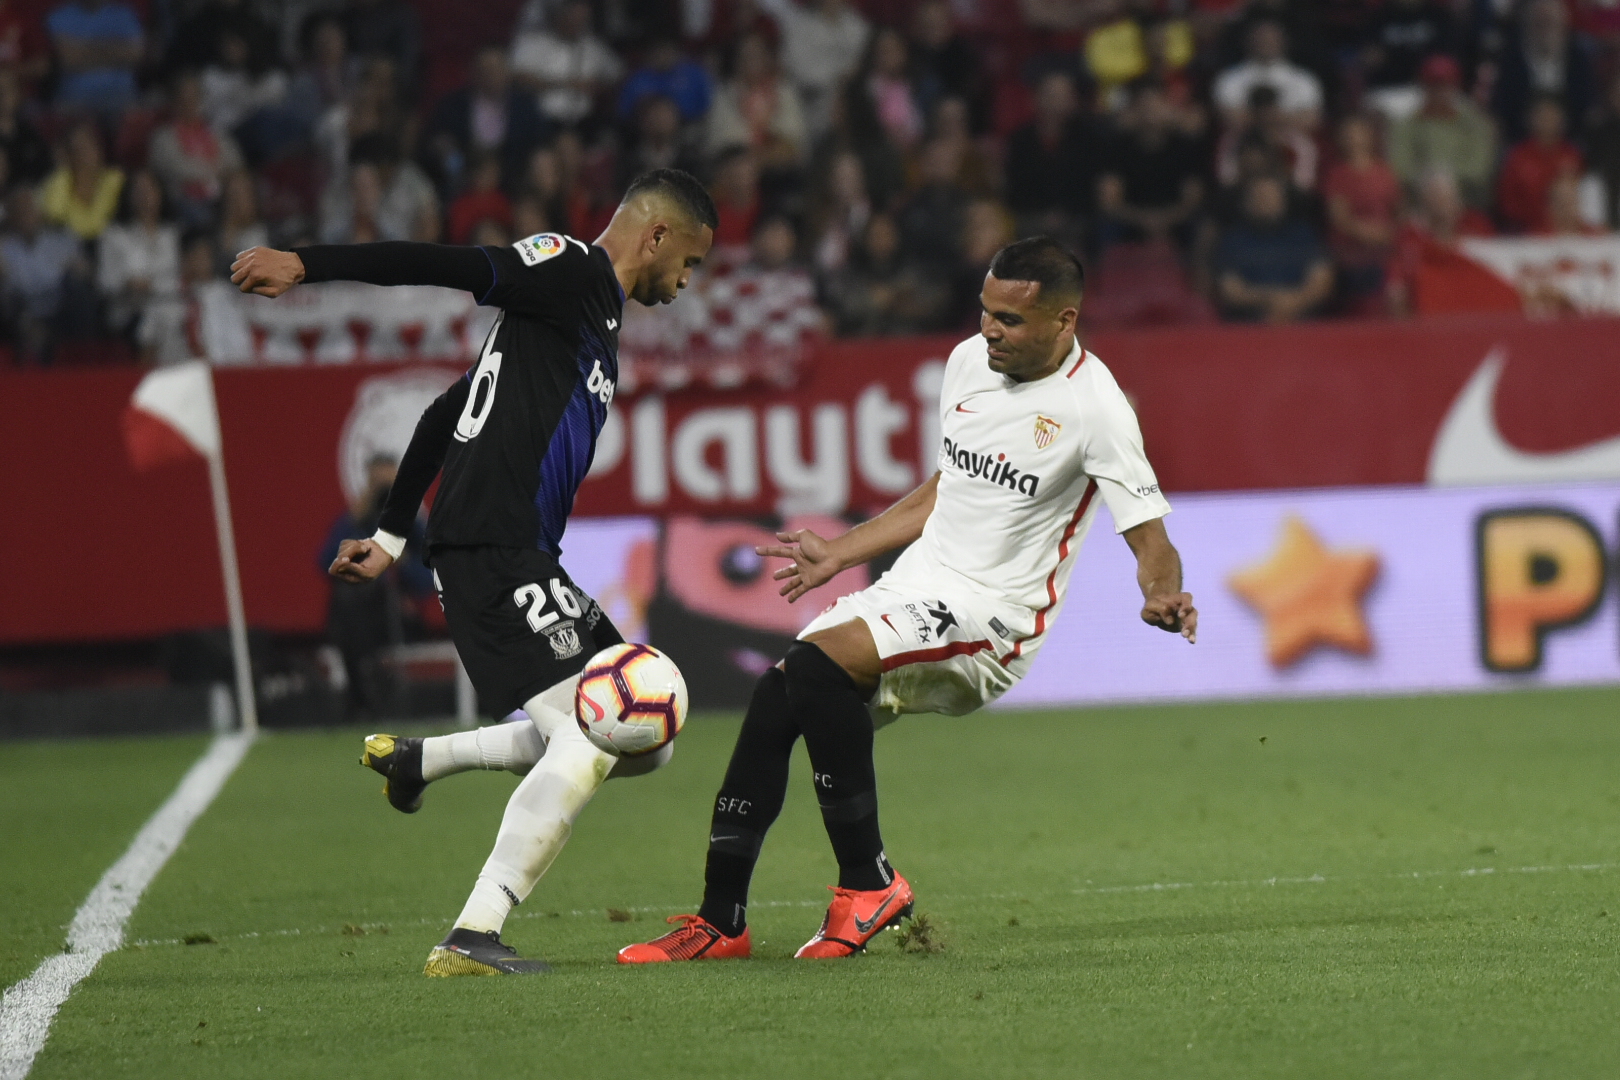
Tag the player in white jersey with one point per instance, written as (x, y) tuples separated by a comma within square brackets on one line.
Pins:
[(1034, 429)]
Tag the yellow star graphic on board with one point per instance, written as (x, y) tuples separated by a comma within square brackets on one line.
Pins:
[(1308, 595)]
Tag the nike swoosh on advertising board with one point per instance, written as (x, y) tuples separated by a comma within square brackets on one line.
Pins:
[(1470, 449)]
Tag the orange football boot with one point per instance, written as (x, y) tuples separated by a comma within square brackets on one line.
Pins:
[(695, 939), (856, 917)]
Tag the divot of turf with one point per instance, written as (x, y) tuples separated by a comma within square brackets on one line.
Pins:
[(921, 934)]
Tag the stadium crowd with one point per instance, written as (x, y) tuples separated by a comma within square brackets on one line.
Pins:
[(1244, 159)]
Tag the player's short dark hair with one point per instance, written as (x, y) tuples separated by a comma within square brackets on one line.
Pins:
[(1044, 261), (681, 188)]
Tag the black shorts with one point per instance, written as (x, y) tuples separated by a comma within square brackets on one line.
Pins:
[(518, 622)]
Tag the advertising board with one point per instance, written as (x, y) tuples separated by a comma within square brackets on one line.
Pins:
[(1352, 591), (1222, 409)]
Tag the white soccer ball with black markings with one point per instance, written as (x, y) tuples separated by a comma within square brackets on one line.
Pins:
[(631, 700)]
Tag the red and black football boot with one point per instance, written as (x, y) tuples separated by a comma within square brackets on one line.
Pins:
[(695, 939), (857, 916)]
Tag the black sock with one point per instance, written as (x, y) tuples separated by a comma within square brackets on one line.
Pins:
[(750, 799), (838, 733)]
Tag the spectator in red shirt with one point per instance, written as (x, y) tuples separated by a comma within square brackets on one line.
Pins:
[(1363, 197), (543, 194), (727, 22), (23, 48), (736, 195), (1531, 167), (482, 201), (1429, 275)]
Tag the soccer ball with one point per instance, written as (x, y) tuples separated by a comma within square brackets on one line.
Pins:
[(631, 700)]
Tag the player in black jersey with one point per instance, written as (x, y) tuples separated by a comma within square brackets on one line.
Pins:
[(513, 438)]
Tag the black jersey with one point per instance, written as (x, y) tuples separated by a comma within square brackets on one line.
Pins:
[(537, 398), (515, 435)]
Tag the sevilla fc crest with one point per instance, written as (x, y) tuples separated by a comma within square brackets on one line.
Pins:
[(1046, 429)]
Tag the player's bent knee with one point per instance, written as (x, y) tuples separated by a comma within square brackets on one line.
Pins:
[(772, 684), (642, 764), (851, 647), (553, 708), (808, 669)]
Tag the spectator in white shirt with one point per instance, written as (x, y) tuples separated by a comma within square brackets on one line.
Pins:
[(172, 328), (138, 257), (1299, 93), (233, 90), (822, 43), (758, 109), (568, 66), (384, 197), (190, 155)]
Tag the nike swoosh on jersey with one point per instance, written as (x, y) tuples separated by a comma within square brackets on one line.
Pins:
[(713, 839), (865, 925), (959, 408), (891, 626), (613, 324), (1470, 449)]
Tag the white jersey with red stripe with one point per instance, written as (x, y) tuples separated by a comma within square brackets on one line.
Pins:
[(961, 614), (1020, 464)]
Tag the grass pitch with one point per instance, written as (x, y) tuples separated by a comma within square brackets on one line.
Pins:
[(1421, 887)]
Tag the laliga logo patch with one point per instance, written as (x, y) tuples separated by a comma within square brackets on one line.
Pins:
[(537, 249), (1046, 429)]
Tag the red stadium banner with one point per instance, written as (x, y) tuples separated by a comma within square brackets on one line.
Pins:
[(96, 551)]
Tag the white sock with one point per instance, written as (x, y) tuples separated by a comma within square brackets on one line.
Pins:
[(512, 747), (538, 820)]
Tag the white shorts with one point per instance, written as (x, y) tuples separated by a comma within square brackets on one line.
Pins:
[(948, 655)]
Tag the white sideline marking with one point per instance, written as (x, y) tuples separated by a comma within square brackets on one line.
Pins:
[(28, 1008)]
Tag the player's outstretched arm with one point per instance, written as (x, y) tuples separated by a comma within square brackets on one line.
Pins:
[(1158, 572), (269, 272), (363, 560), (817, 561)]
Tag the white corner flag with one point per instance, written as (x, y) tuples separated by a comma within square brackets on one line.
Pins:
[(174, 417)]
